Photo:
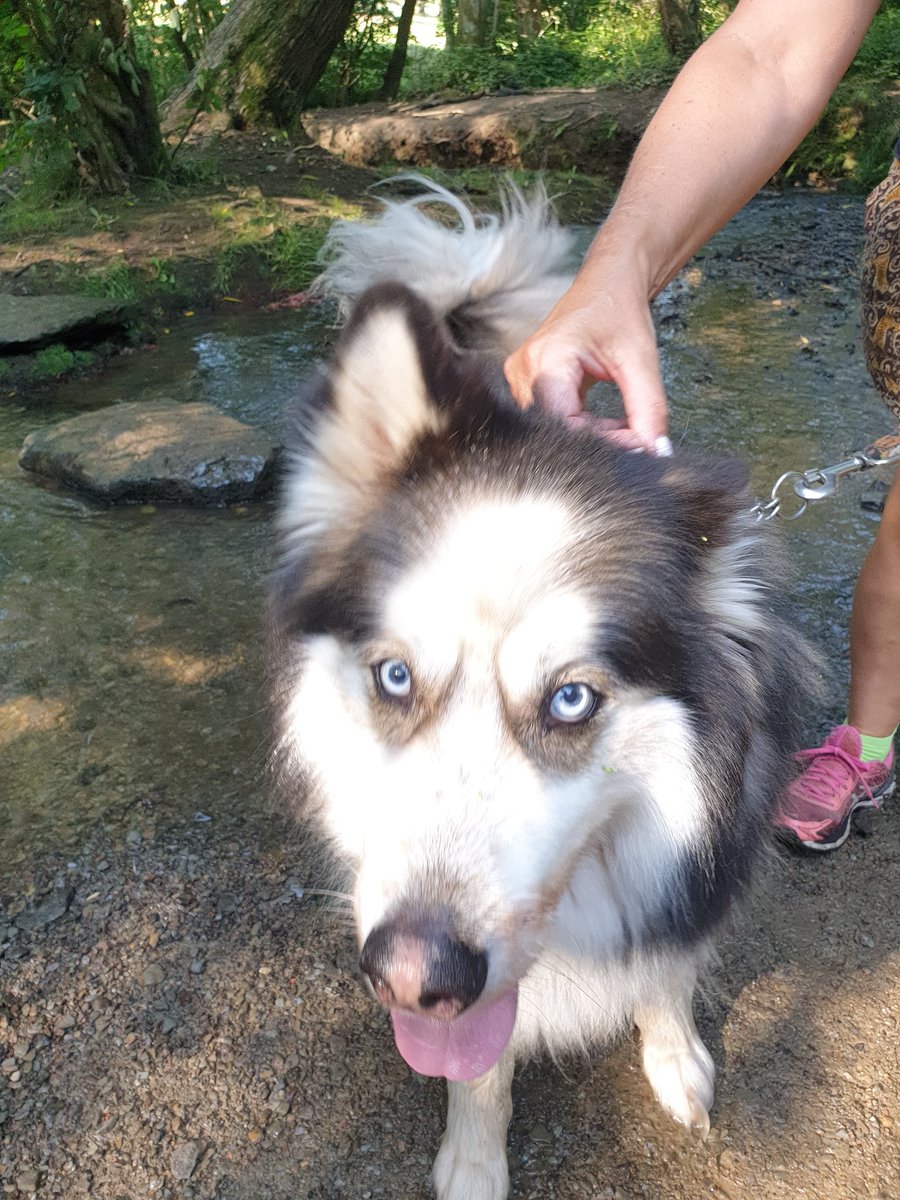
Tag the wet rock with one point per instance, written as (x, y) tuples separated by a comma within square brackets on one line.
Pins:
[(29, 322), (50, 909), (874, 496), (160, 452)]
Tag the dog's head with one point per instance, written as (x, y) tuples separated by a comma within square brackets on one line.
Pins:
[(493, 637)]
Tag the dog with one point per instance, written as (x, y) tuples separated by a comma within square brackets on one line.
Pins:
[(536, 693)]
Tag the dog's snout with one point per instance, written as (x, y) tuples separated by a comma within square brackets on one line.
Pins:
[(423, 969)]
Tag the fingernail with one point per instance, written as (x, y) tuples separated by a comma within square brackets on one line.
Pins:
[(663, 447)]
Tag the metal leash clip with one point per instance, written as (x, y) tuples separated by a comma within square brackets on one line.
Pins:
[(822, 482)]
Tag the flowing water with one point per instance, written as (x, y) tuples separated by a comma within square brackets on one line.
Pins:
[(130, 679)]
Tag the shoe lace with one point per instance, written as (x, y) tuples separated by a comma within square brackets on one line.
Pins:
[(826, 777)]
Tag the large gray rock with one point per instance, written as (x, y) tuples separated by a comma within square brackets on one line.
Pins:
[(157, 453), (29, 322)]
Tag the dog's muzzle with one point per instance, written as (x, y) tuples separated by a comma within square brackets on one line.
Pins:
[(416, 965)]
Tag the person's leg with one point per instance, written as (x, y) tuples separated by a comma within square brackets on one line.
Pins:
[(874, 706), (853, 768)]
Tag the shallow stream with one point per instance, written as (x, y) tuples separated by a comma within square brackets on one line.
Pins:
[(130, 680)]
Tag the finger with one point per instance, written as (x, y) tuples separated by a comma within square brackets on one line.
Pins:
[(519, 379), (626, 438), (559, 390), (646, 407)]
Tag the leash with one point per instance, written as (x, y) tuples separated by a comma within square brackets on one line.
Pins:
[(822, 482)]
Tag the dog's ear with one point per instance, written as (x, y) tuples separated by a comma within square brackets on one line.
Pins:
[(382, 401), (710, 495), (392, 370)]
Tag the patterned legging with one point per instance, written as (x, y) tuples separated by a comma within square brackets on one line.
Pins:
[(881, 287)]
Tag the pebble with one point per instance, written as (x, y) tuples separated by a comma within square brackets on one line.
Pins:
[(541, 1134), (184, 1159), (153, 974), (51, 909)]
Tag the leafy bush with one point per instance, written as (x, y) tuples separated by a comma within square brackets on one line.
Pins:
[(854, 138), (879, 55), (464, 69)]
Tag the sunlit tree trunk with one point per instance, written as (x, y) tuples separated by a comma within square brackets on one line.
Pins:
[(680, 24), (529, 18), (473, 22), (263, 59)]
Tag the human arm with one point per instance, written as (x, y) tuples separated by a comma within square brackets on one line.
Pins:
[(740, 105)]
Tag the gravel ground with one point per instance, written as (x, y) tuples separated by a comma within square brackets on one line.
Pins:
[(180, 1020), (180, 1016)]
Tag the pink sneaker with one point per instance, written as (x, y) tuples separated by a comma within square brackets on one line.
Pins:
[(817, 808)]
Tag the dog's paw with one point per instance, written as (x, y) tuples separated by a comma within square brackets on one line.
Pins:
[(683, 1081), (457, 1175)]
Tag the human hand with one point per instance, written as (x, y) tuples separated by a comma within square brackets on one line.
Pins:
[(607, 335)]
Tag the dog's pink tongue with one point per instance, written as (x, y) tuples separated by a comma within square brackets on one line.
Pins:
[(460, 1049)]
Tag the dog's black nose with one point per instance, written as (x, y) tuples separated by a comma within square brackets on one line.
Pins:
[(422, 968)]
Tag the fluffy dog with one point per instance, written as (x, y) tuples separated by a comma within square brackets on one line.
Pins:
[(534, 691)]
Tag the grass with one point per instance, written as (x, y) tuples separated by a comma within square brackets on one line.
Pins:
[(282, 246), (117, 282)]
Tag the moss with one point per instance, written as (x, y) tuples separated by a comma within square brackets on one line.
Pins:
[(51, 361)]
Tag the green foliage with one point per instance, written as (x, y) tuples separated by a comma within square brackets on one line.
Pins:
[(853, 140), (288, 255), (879, 55), (169, 37), (292, 255), (59, 360), (356, 69), (602, 41), (78, 84), (53, 360), (118, 282), (13, 44), (45, 198), (162, 275)]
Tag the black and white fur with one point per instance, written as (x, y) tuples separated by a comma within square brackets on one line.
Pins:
[(500, 557)]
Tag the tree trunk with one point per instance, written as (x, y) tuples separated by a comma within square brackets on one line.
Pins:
[(394, 72), (177, 35), (104, 102), (473, 22), (262, 60), (529, 19), (680, 24), (448, 20)]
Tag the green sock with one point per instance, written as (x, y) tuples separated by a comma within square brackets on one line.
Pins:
[(875, 749)]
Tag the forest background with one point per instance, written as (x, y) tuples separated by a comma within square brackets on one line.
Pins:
[(131, 127)]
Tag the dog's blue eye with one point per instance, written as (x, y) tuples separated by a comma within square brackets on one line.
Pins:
[(394, 678), (572, 703)]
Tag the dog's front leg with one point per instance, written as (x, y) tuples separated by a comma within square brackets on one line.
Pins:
[(677, 1064), (471, 1164)]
